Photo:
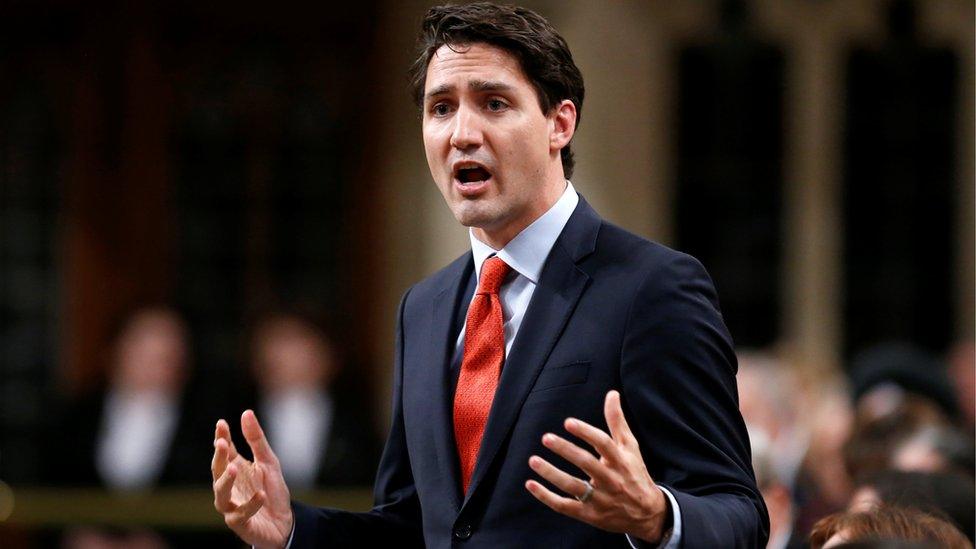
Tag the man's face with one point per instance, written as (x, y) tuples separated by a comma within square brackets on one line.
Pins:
[(488, 143)]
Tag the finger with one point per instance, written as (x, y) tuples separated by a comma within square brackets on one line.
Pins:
[(579, 457), (223, 432), (222, 490), (596, 438), (559, 504), (219, 462), (615, 419), (255, 438), (564, 481), (244, 512)]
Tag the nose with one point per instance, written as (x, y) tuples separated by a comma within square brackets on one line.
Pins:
[(467, 130)]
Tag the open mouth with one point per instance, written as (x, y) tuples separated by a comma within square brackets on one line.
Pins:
[(472, 175)]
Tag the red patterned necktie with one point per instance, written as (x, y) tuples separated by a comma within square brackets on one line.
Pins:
[(481, 366)]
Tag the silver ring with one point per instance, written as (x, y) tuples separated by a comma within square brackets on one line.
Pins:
[(587, 494)]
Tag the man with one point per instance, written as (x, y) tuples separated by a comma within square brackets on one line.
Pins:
[(317, 431), (555, 320), (134, 433)]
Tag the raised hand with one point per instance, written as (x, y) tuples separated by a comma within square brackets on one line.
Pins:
[(620, 495), (252, 496)]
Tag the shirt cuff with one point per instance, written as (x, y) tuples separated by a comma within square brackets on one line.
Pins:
[(671, 541), (292, 534)]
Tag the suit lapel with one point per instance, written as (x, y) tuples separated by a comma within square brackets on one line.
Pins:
[(447, 306), (560, 286)]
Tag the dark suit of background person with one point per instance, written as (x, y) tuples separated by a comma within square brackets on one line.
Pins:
[(312, 416), (141, 429), (140, 432), (610, 311), (346, 453)]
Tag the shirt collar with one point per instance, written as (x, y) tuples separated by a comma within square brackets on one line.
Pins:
[(527, 252)]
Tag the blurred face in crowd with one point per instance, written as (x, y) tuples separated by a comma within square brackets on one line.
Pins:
[(493, 153), (290, 354), (767, 394), (920, 453), (151, 354), (865, 498)]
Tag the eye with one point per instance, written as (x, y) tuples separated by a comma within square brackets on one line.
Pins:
[(440, 109), (496, 105)]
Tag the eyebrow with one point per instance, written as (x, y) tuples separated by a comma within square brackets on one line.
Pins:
[(473, 85), (488, 85)]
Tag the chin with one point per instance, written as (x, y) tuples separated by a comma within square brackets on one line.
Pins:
[(470, 215)]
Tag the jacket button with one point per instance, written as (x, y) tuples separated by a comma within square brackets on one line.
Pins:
[(462, 531)]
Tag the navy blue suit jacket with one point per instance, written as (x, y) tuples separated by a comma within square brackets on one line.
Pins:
[(611, 311)]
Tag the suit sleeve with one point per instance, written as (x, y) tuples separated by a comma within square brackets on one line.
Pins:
[(679, 394), (395, 520)]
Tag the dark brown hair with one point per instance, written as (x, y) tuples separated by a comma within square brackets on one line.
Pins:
[(542, 54), (888, 523)]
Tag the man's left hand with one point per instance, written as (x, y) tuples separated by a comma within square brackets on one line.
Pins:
[(624, 497)]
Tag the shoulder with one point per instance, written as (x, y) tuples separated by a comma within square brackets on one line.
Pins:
[(650, 278), (647, 260)]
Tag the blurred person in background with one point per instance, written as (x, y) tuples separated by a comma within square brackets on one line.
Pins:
[(777, 494), (768, 392), (948, 495), (899, 419), (907, 415), (885, 523), (136, 432), (317, 430), (887, 376), (822, 485), (909, 438), (936, 448)]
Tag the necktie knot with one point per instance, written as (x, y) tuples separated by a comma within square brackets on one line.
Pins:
[(493, 273)]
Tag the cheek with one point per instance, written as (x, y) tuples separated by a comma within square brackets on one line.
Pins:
[(429, 153), (530, 150), (434, 147), (522, 144), (433, 158), (535, 136)]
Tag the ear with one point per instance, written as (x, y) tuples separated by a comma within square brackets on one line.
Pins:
[(562, 125)]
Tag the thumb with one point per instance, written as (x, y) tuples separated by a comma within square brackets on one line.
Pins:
[(254, 435)]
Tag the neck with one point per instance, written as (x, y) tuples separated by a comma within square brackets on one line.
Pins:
[(498, 237)]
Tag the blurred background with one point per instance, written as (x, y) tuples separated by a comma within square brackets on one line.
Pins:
[(212, 206)]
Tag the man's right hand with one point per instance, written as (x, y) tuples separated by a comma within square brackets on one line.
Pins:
[(252, 496)]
